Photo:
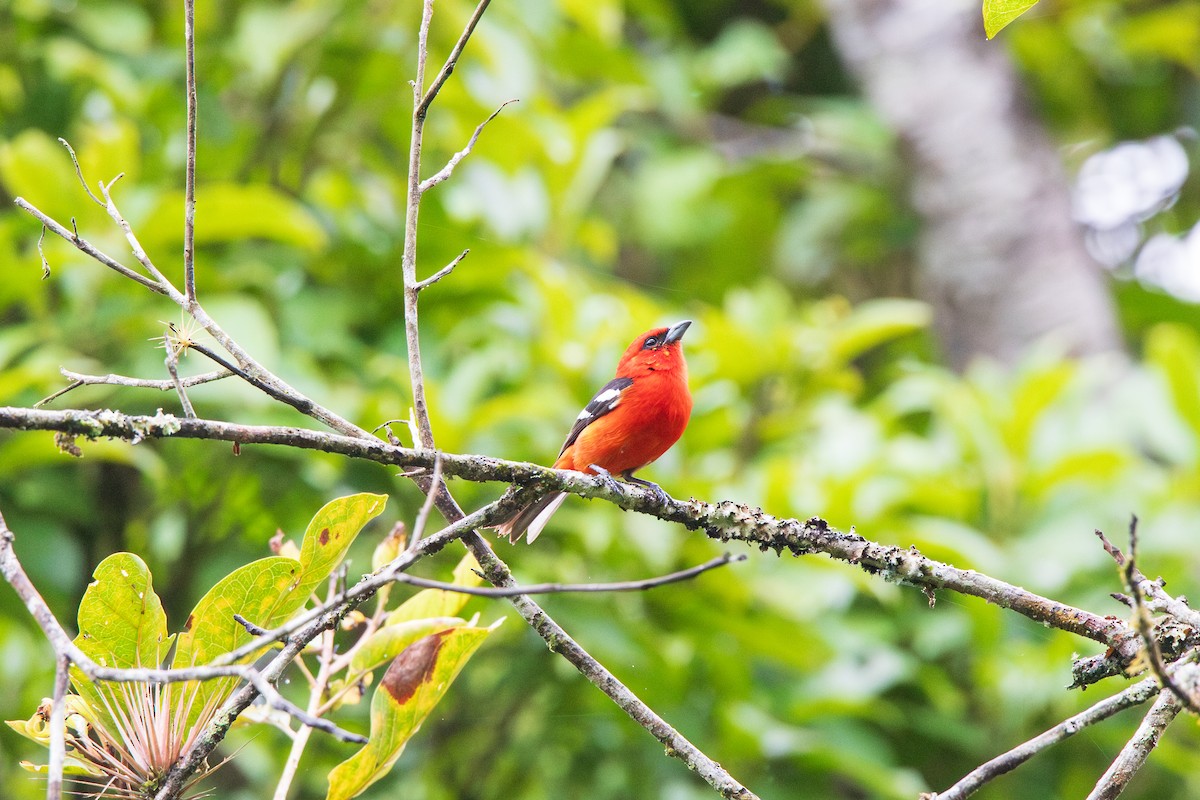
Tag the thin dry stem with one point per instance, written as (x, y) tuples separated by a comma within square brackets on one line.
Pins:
[(574, 588), (58, 721), (426, 507), (441, 273), (189, 202), (974, 780), (448, 170), (86, 247), (1135, 752), (79, 172)]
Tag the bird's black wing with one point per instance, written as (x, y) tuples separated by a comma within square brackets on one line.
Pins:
[(604, 401)]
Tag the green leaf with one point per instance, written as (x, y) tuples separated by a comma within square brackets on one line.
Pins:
[(1175, 350), (330, 534), (412, 686), (998, 13), (121, 624), (268, 591), (232, 213), (877, 321), (429, 603), (121, 620), (262, 592)]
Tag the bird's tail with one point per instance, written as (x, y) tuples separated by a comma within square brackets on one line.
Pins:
[(530, 520)]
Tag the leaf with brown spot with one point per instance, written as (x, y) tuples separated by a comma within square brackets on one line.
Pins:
[(413, 667), (391, 640), (411, 688), (330, 534)]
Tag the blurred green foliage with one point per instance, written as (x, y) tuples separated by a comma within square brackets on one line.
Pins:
[(666, 159)]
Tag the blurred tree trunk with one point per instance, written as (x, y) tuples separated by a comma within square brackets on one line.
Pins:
[(1001, 260)]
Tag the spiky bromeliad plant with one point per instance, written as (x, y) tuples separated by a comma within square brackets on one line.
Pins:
[(123, 737)]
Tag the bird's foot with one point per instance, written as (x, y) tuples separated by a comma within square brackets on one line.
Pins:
[(657, 490), (606, 478)]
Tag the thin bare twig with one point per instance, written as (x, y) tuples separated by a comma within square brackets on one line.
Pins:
[(78, 379), (274, 699), (1139, 588), (451, 61), (1144, 624), (448, 170), (301, 404), (251, 628), (189, 184), (1154, 592), (79, 172), (58, 723), (1135, 752), (135, 245), (441, 273), (68, 388), (42, 254), (423, 515), (172, 361), (566, 588), (976, 778), (87, 247), (408, 259)]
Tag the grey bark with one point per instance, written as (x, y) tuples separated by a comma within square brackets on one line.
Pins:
[(1001, 260)]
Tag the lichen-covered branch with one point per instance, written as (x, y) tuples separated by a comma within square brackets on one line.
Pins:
[(725, 521)]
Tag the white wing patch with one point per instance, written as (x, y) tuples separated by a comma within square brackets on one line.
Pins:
[(601, 404), (605, 400)]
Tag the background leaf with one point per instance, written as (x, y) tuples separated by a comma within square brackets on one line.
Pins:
[(997, 14)]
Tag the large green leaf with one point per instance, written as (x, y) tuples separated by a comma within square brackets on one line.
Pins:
[(121, 624), (121, 619), (261, 592), (412, 686), (998, 13), (268, 591), (330, 534)]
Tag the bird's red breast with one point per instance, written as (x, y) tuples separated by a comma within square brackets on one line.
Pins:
[(652, 415)]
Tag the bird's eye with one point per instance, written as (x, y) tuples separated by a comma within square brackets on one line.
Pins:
[(650, 342)]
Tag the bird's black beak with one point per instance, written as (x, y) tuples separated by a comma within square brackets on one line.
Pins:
[(676, 331)]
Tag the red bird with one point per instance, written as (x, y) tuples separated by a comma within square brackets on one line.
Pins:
[(630, 422)]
